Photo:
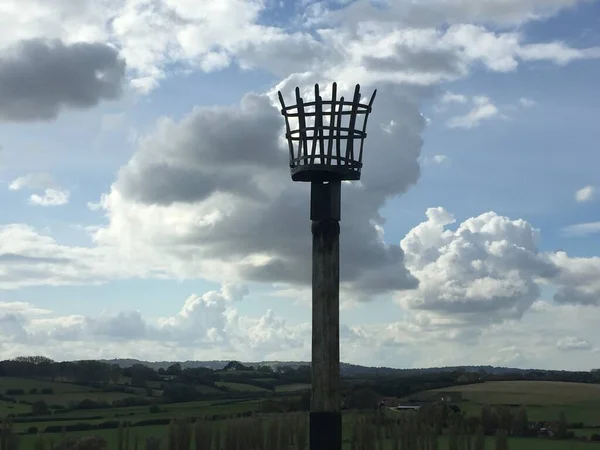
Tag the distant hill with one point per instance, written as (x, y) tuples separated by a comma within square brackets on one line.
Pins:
[(348, 370)]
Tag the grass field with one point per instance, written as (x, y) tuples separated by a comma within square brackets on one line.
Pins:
[(161, 432), (27, 385), (544, 400), (240, 387), (528, 392), (292, 387)]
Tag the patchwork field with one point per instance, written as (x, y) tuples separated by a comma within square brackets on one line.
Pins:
[(544, 400)]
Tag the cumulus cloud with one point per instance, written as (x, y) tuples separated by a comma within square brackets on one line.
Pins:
[(209, 323), (395, 43), (585, 194), (484, 271), (483, 109), (52, 195), (578, 280), (30, 258), (39, 78), (214, 190)]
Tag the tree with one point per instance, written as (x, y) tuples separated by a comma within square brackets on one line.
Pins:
[(561, 429), (479, 440), (174, 369), (521, 423), (505, 418), (363, 398), (501, 440), (489, 421), (39, 408), (453, 439)]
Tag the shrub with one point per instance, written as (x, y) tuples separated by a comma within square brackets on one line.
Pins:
[(153, 443), (32, 430), (47, 391), (147, 422), (15, 392), (79, 427), (39, 408), (88, 404), (33, 391), (595, 437), (108, 425), (154, 409)]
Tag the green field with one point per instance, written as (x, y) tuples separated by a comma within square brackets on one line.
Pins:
[(544, 400), (541, 393), (27, 385), (240, 387), (292, 387), (161, 432)]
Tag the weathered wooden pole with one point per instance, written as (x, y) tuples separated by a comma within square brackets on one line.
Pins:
[(319, 158), (325, 414)]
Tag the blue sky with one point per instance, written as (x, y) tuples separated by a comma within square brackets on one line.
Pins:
[(502, 121)]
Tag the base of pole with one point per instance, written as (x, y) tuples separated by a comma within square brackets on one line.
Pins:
[(325, 431)]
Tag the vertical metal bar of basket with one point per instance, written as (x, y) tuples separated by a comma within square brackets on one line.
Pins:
[(331, 123), (303, 150), (318, 125), (288, 133), (364, 129), (339, 132), (320, 130), (351, 125)]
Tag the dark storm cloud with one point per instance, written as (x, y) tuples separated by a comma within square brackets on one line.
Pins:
[(39, 78)]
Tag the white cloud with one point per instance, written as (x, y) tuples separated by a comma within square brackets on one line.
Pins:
[(527, 102), (404, 44), (447, 99), (573, 343), (557, 52), (52, 195), (210, 324), (578, 280), (585, 194), (483, 109), (582, 229), (437, 12), (32, 181), (435, 160), (450, 97), (190, 183), (485, 271)]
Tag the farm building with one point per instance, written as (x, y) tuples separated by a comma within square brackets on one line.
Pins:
[(408, 407), (390, 402)]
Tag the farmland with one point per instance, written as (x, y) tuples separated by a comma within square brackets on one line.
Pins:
[(70, 400), (544, 400)]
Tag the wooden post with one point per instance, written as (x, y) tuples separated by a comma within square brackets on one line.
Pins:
[(325, 411)]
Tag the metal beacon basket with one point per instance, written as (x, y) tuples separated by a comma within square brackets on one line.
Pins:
[(315, 144)]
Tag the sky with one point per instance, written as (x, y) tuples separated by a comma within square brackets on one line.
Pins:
[(148, 210)]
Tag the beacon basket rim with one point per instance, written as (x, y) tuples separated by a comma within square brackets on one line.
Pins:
[(316, 152)]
